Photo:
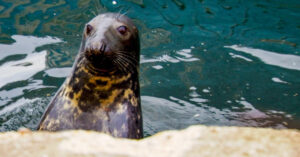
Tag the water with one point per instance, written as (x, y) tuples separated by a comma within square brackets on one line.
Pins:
[(232, 63)]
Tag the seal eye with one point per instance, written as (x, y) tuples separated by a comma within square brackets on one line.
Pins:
[(122, 30), (89, 28)]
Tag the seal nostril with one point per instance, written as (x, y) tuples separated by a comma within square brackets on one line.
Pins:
[(102, 48)]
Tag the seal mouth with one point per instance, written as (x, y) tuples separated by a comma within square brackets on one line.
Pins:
[(100, 58)]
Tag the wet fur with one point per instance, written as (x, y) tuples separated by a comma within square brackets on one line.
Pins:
[(101, 95)]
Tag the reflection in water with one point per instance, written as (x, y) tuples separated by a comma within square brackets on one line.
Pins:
[(278, 80), (24, 45), (157, 67), (23, 69), (163, 114), (250, 111), (282, 60), (239, 56), (8, 96), (16, 81), (59, 72), (183, 55)]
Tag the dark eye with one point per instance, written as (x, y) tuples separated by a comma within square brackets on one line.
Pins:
[(122, 30), (89, 28)]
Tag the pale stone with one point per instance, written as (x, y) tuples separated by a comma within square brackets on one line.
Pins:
[(195, 141)]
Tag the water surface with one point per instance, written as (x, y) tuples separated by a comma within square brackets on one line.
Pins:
[(229, 63)]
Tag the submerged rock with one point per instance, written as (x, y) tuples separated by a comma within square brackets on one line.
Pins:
[(193, 141)]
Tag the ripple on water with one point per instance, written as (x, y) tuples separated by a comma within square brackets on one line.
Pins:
[(25, 45), (22, 69), (59, 72), (16, 105), (183, 55), (278, 80), (287, 61), (174, 113), (21, 113)]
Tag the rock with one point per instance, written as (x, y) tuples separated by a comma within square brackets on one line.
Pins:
[(194, 141)]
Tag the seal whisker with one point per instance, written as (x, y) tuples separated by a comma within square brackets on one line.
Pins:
[(119, 14), (119, 65), (130, 66), (93, 12), (123, 66), (98, 5), (127, 64), (124, 54), (127, 60), (116, 63)]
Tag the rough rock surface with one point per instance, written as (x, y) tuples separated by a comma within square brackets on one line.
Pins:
[(194, 141)]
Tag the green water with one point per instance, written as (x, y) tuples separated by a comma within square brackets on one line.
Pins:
[(233, 63)]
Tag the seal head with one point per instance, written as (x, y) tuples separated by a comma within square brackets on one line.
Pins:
[(111, 42), (102, 92)]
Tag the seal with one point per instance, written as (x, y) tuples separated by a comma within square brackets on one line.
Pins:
[(102, 92)]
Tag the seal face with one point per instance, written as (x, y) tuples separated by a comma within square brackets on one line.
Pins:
[(102, 92)]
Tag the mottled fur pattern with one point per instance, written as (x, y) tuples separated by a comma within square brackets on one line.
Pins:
[(102, 92)]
